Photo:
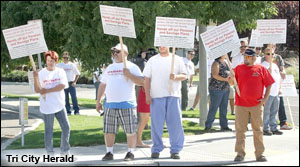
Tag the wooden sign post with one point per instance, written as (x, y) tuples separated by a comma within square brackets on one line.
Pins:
[(172, 70)]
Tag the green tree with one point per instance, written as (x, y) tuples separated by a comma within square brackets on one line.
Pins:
[(77, 28)]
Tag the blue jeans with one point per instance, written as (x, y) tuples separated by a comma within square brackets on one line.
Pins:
[(270, 111), (281, 112), (96, 86), (166, 109), (218, 99), (72, 91), (63, 121)]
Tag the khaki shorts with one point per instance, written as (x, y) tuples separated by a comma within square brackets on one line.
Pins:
[(232, 92)]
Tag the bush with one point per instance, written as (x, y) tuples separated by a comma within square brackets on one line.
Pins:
[(295, 72), (85, 78), (15, 76), (22, 76)]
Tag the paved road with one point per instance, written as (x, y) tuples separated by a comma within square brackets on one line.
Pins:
[(10, 127), (88, 91)]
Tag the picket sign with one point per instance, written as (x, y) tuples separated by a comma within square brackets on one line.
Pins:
[(119, 22), (175, 33)]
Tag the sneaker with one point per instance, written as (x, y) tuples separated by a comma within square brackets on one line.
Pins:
[(69, 113), (261, 159), (277, 132), (267, 133), (155, 155), (175, 156), (226, 129), (76, 113), (101, 113), (129, 157), (108, 156), (285, 127), (239, 158), (191, 109)]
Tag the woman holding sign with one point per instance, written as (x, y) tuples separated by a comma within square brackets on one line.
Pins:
[(219, 93), (53, 81)]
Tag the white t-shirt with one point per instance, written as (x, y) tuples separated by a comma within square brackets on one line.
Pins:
[(55, 101), (158, 69), (189, 65), (98, 75), (237, 60), (209, 65), (117, 88), (276, 76), (70, 69)]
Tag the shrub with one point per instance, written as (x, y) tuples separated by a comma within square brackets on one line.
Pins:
[(15, 76), (22, 76)]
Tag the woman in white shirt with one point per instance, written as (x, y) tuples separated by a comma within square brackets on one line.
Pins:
[(50, 82)]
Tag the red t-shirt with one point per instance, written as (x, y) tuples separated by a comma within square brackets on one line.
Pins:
[(251, 81)]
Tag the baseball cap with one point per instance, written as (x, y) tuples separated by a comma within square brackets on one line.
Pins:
[(118, 47), (250, 52)]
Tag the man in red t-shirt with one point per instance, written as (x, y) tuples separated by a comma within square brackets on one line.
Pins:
[(251, 79)]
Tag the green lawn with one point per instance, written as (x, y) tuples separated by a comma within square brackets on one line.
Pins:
[(88, 131), (196, 114)]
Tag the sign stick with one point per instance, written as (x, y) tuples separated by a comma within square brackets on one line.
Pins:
[(271, 48), (172, 70), (234, 79), (34, 69), (122, 52), (290, 112)]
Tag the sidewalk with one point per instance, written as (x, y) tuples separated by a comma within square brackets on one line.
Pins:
[(206, 149)]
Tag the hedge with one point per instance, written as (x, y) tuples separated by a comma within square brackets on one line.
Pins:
[(22, 76)]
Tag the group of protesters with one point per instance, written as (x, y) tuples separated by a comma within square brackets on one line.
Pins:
[(258, 102)]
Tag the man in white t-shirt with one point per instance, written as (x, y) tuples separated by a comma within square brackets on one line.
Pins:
[(189, 65), (50, 82), (272, 105), (165, 105), (118, 83), (72, 75)]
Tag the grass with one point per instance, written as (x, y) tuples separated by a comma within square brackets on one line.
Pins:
[(88, 103), (88, 131), (196, 114), (91, 103)]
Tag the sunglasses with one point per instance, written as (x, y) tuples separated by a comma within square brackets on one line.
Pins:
[(66, 57), (258, 48), (246, 56), (270, 54), (116, 51)]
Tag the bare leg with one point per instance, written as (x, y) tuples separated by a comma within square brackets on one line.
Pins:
[(196, 100), (144, 118), (131, 141), (109, 139)]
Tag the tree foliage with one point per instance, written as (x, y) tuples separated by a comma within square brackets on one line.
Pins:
[(76, 26), (290, 10)]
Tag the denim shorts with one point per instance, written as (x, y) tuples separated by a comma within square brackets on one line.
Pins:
[(127, 118)]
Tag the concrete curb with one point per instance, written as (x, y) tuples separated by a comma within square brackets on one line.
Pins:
[(19, 135)]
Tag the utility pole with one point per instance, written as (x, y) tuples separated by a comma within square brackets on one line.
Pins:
[(202, 78)]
